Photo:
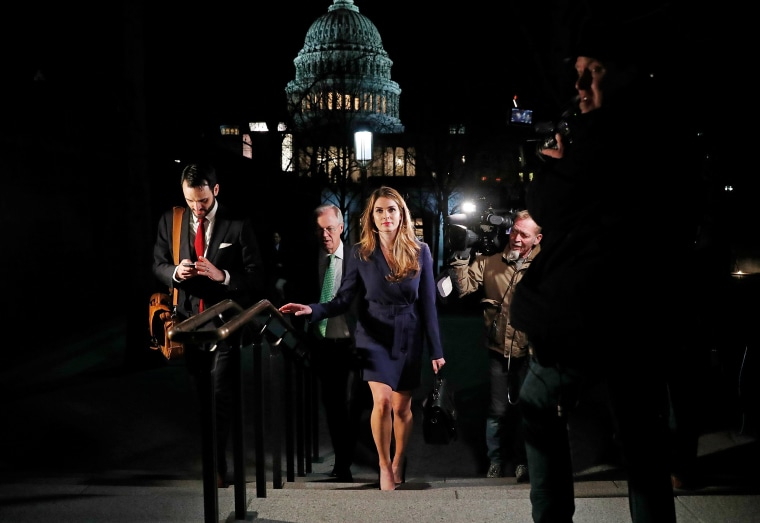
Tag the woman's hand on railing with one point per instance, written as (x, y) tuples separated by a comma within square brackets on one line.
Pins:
[(295, 308)]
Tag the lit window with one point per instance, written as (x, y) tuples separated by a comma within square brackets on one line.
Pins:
[(286, 155), (410, 167), (398, 162), (418, 229), (247, 149)]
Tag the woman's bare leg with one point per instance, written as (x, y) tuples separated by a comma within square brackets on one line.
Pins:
[(381, 422), (402, 430)]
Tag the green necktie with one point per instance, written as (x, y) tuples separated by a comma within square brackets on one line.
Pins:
[(327, 291)]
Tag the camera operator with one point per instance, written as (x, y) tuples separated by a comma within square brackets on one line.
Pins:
[(507, 348), (579, 303)]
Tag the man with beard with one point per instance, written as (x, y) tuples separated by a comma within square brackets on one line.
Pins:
[(497, 275)]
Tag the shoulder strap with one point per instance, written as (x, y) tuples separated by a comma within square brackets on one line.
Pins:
[(178, 212)]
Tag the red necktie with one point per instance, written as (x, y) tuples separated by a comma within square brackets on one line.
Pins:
[(200, 246)]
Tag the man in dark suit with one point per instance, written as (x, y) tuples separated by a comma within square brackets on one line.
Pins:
[(332, 346), (224, 262)]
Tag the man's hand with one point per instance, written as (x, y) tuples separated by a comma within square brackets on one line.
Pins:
[(557, 152), (185, 270), (205, 268)]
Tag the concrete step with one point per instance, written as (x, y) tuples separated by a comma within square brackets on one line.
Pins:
[(311, 499)]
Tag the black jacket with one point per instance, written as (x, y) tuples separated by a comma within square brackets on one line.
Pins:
[(233, 247)]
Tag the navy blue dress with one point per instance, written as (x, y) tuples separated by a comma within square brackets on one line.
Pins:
[(395, 320)]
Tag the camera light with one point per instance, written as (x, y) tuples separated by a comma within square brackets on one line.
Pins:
[(469, 207)]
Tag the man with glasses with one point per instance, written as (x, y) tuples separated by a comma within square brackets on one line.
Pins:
[(332, 348)]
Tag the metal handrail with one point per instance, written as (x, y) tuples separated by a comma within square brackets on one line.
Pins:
[(230, 319), (186, 332)]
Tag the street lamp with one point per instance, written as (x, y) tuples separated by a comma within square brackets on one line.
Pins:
[(363, 152)]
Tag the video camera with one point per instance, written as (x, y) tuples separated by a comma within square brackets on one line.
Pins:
[(546, 132), (484, 232), (543, 133)]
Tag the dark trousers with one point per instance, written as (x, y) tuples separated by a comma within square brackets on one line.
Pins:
[(639, 406), (217, 366), (504, 429), (343, 395)]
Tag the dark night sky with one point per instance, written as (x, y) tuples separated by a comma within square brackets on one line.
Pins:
[(218, 60), (233, 56), (224, 60)]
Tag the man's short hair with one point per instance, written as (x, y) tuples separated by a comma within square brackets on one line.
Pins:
[(199, 174), (319, 211)]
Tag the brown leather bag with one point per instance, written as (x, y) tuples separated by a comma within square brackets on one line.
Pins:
[(162, 318), (162, 310)]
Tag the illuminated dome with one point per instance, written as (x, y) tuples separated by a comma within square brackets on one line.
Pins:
[(343, 74), (343, 28)]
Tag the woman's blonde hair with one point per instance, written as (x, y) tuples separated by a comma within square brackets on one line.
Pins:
[(405, 259)]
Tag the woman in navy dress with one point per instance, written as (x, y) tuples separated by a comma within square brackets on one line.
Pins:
[(392, 272)]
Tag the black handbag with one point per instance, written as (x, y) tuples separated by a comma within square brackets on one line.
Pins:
[(439, 416)]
